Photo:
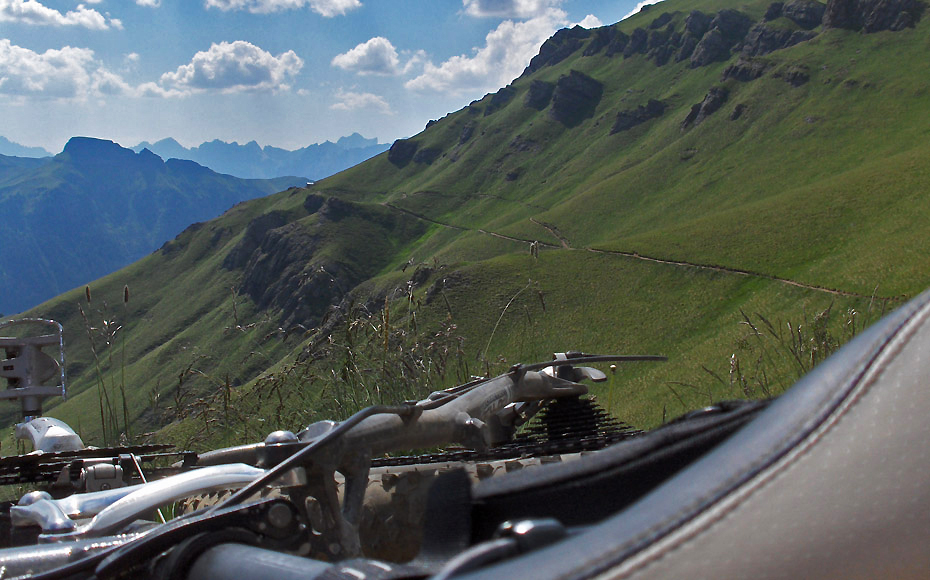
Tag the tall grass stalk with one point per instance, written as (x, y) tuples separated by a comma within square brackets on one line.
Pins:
[(484, 353), (771, 356), (369, 358), (102, 340), (127, 426)]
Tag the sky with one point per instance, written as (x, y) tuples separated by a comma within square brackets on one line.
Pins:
[(285, 73)]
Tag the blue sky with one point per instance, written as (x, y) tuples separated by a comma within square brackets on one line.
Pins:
[(286, 73)]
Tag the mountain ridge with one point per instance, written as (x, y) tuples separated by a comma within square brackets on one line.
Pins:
[(611, 199), (12, 149), (250, 160), (96, 207)]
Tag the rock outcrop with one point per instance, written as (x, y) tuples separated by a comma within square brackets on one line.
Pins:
[(660, 45), (872, 15), (745, 69), (468, 130), (539, 95), (696, 26), (609, 38), (560, 46), (773, 11), (279, 275), (738, 111), (304, 266), (402, 151), (630, 118), (795, 75), (727, 30), (255, 232), (712, 47), (661, 21), (638, 44), (427, 155), (575, 97), (732, 24), (763, 39), (705, 39), (500, 99), (313, 203), (808, 14), (712, 102), (335, 210)]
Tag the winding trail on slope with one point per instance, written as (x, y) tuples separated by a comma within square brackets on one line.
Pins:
[(564, 244), (746, 273), (424, 218), (554, 231)]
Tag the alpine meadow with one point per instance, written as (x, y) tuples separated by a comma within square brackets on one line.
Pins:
[(739, 186)]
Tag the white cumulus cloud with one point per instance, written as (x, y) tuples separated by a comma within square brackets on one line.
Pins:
[(352, 101), (639, 7), (234, 67), (326, 8), (376, 56), (590, 21), (37, 14), (507, 51), (65, 74), (154, 90), (149, 3), (509, 8), (72, 73)]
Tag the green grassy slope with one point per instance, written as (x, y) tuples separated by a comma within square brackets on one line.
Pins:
[(660, 239), (817, 182)]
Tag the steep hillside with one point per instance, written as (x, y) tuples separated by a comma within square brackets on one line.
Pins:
[(645, 187), (800, 162), (11, 166), (97, 207)]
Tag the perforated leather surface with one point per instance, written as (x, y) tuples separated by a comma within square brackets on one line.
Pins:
[(831, 481), (851, 501)]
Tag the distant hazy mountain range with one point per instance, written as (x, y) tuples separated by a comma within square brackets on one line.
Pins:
[(97, 207), (249, 161), (8, 147), (255, 162)]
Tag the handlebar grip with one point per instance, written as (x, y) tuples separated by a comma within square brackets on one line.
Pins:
[(235, 561), (244, 562)]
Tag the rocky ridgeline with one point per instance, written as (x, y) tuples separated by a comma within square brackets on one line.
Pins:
[(276, 256), (304, 262), (698, 38), (279, 255), (703, 38)]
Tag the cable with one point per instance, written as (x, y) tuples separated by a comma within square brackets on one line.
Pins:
[(294, 459)]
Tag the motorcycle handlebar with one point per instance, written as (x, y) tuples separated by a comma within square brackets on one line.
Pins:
[(244, 562)]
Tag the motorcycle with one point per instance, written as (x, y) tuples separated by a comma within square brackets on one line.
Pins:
[(827, 480)]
